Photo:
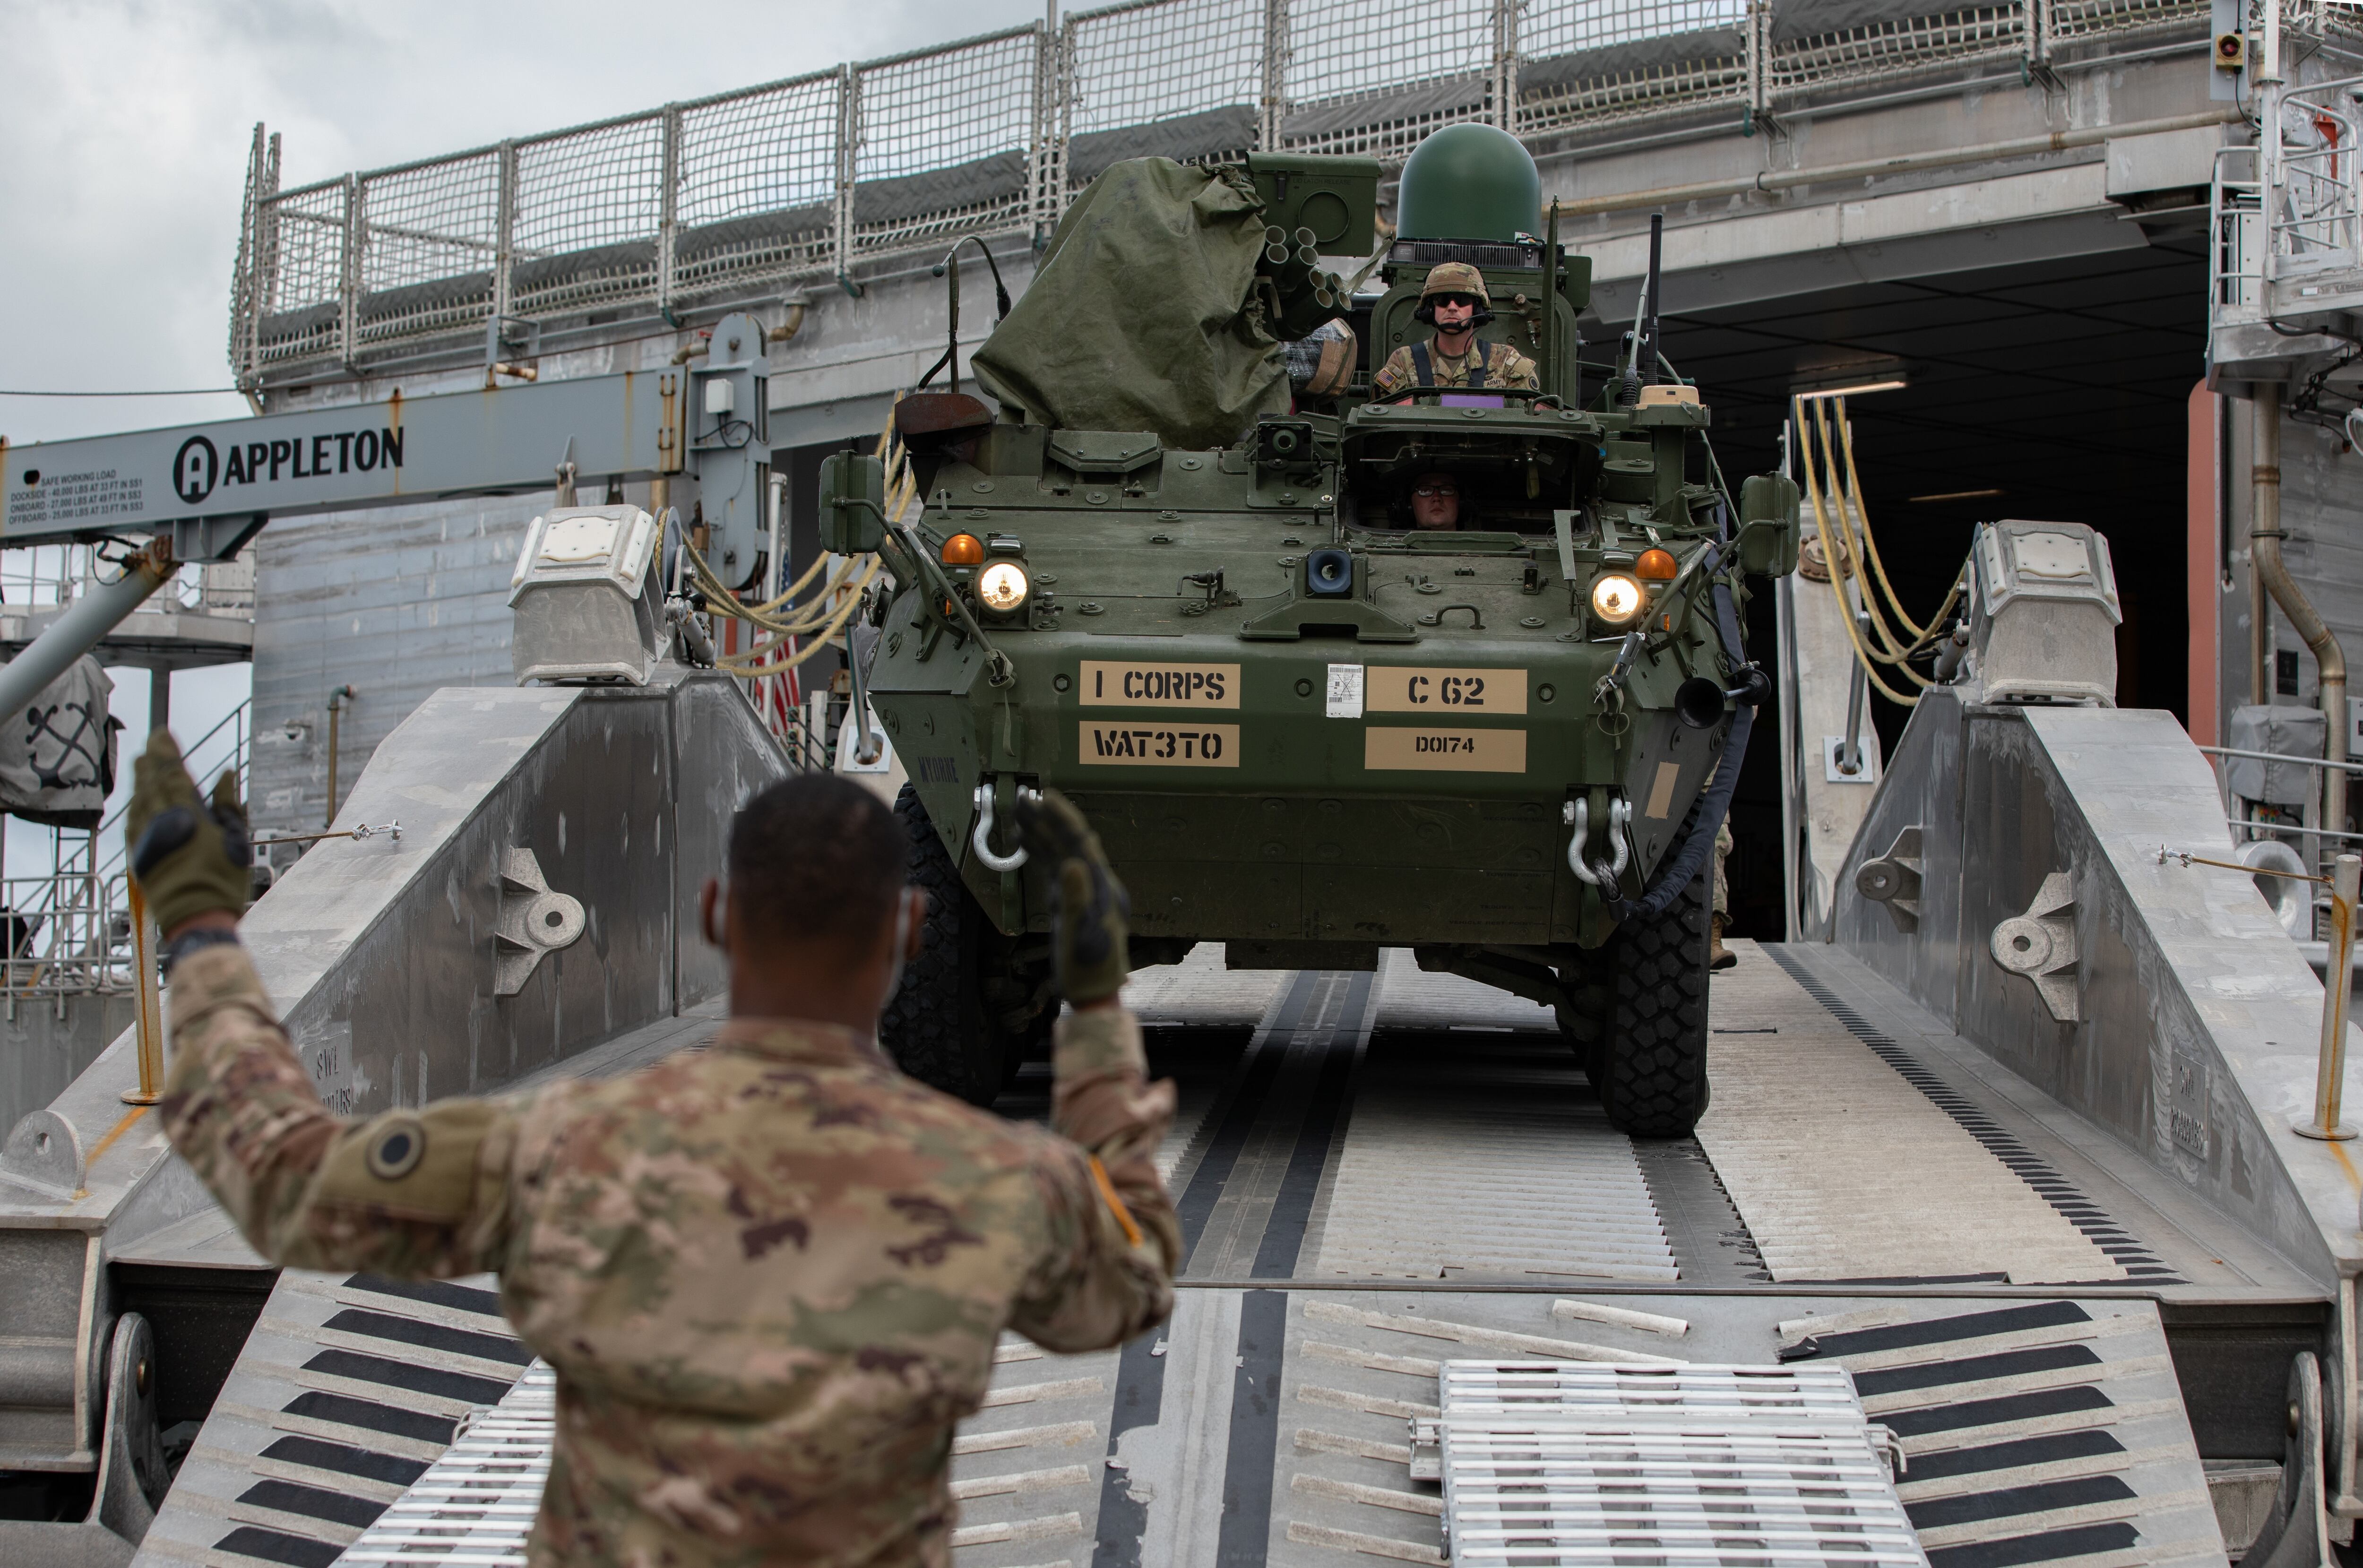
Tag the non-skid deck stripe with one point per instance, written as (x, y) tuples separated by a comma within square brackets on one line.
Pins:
[(355, 1418), (277, 1546), (431, 1336), (1196, 1204), (1292, 1211), (345, 1459)]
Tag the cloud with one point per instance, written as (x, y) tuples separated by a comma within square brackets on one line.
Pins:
[(127, 125), (128, 122)]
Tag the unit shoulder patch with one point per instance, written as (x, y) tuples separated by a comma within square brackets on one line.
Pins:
[(397, 1148), (419, 1163)]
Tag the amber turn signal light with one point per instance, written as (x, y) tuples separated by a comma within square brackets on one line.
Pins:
[(1655, 566), (963, 550)]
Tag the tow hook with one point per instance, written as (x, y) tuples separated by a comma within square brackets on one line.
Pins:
[(1577, 814), (981, 840)]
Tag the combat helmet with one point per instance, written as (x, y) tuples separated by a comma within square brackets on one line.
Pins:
[(1455, 277)]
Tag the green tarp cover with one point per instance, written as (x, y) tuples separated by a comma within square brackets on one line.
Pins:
[(1144, 315)]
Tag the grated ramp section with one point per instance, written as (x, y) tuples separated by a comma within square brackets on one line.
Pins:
[(1579, 1463), (1027, 1469), (475, 1506), (1845, 1170), (2079, 1453), (1496, 1162), (1475, 1149), (2140, 1261), (348, 1390), (2034, 1431)]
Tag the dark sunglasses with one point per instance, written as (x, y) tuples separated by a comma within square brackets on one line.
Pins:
[(1436, 487), (1467, 299)]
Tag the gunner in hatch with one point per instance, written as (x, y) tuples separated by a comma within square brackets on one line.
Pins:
[(770, 1272), (1455, 303)]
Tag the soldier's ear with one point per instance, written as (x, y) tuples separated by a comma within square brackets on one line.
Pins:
[(712, 912)]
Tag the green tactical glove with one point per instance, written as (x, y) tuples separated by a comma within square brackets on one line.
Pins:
[(188, 859), (1089, 906)]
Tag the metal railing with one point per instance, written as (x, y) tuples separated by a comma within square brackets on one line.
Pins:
[(67, 932), (2285, 216), (50, 575), (797, 180)]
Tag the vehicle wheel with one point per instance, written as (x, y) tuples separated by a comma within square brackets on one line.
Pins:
[(1652, 1075), (934, 1026)]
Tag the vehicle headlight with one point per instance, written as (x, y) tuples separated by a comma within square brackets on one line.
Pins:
[(1616, 598), (1002, 587)]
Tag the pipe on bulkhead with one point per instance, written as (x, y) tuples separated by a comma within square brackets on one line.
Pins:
[(2265, 548), (339, 700)]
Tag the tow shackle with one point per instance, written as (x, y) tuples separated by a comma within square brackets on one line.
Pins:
[(1577, 815), (981, 840)]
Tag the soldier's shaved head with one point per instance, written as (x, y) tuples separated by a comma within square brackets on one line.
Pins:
[(815, 856)]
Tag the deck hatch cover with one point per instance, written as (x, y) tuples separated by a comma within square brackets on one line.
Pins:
[(1586, 1463)]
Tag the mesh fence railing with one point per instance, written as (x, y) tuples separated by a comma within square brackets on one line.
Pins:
[(430, 238), (756, 187), (1370, 78), (800, 179), (946, 139), (1162, 61)]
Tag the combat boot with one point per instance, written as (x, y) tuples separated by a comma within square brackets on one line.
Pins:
[(1717, 955)]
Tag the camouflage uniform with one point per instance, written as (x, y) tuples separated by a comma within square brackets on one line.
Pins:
[(1504, 367), (770, 1273), (1483, 365), (1723, 844)]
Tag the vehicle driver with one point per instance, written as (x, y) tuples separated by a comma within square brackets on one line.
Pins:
[(1435, 502), (1455, 303), (770, 1273)]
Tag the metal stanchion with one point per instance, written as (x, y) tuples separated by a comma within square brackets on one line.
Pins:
[(2338, 978), (151, 1011), (2330, 1073)]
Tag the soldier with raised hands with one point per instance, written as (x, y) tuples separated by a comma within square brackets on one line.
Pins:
[(770, 1273)]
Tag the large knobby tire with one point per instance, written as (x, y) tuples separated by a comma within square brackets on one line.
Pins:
[(934, 1025), (1652, 1073)]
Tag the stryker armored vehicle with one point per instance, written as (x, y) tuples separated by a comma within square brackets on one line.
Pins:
[(1303, 727)]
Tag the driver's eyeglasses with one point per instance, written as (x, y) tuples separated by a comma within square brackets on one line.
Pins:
[(1444, 487), (1470, 300)]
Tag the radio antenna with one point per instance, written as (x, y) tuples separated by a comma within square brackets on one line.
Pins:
[(1641, 362)]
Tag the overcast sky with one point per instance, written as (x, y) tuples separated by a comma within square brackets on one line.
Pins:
[(124, 131), (124, 125)]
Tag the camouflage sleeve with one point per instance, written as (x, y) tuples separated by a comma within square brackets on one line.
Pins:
[(1518, 372), (1113, 1241), (420, 1193), (1393, 376)]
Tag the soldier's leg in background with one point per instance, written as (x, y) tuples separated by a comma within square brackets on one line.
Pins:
[(1718, 955)]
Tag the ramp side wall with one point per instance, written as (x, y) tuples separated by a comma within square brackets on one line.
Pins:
[(2197, 1020)]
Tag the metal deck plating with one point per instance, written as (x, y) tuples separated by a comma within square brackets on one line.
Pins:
[(1341, 1279)]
